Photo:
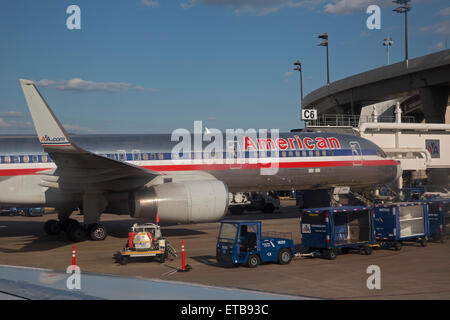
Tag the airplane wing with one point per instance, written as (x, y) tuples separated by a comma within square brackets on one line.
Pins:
[(77, 169)]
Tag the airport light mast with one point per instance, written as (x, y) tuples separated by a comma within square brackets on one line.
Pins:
[(404, 7), (324, 43), (387, 43), (299, 69)]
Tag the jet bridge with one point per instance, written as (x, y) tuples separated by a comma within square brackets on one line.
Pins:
[(421, 148)]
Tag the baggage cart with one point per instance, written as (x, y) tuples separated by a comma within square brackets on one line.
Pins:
[(326, 231), (398, 222), (439, 218)]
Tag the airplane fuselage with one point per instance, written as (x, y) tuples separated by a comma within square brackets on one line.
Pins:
[(297, 161)]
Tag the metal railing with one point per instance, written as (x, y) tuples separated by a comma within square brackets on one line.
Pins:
[(341, 120)]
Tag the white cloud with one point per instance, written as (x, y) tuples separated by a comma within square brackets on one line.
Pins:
[(151, 4), (441, 28), (3, 123), (444, 12), (188, 5), (78, 85), (287, 74), (11, 125), (350, 6), (77, 129), (438, 46), (261, 7), (11, 114)]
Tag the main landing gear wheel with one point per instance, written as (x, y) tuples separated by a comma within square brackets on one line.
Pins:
[(97, 232), (68, 223), (76, 233), (52, 227)]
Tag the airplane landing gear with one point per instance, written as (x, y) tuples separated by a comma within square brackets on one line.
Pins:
[(76, 231), (97, 232), (52, 227)]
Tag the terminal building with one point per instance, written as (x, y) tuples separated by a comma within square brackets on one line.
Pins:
[(403, 108)]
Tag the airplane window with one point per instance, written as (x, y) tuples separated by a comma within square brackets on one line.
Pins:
[(7, 159), (26, 159), (297, 154), (121, 155), (34, 159), (136, 155), (44, 158), (161, 156), (283, 154), (324, 153), (145, 156)]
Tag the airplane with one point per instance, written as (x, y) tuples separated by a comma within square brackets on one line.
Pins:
[(141, 175)]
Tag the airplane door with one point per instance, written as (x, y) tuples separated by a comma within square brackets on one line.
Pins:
[(233, 153), (356, 153)]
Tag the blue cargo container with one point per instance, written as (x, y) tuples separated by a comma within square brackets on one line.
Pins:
[(439, 218), (324, 231), (401, 221)]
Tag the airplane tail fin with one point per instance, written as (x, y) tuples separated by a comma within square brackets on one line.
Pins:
[(50, 132)]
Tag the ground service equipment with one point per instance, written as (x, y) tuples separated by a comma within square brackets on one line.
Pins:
[(145, 241), (401, 221), (242, 242), (325, 231), (439, 218)]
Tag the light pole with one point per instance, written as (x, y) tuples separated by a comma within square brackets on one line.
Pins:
[(404, 8), (299, 68), (324, 43), (387, 43)]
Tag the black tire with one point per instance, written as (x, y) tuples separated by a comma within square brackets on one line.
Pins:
[(345, 250), (253, 261), (331, 254), (236, 209), (68, 223), (52, 227), (162, 258), (284, 256), (367, 250), (423, 242), (76, 233), (397, 245), (123, 260), (97, 232), (268, 208)]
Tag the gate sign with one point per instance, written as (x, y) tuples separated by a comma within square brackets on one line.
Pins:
[(309, 114), (433, 147)]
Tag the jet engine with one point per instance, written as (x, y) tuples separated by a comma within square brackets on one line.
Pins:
[(185, 202)]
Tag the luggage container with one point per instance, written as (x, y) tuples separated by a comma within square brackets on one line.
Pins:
[(439, 218), (401, 221), (325, 231)]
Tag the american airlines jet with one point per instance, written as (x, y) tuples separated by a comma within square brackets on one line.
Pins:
[(142, 176)]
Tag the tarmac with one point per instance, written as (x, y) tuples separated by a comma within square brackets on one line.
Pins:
[(414, 272)]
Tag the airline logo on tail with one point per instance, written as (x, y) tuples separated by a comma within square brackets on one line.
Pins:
[(60, 141)]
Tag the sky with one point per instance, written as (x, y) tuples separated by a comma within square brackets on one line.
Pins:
[(152, 66)]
